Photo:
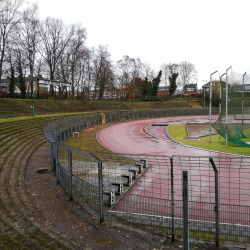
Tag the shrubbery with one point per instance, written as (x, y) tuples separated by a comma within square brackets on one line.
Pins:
[(155, 98)]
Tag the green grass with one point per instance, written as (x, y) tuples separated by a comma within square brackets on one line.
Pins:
[(39, 116), (178, 132), (87, 139)]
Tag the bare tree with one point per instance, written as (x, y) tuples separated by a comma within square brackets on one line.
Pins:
[(54, 39), (18, 64), (87, 72), (103, 74), (83, 74), (187, 73), (29, 38), (76, 52), (128, 70), (164, 78), (69, 67), (10, 16)]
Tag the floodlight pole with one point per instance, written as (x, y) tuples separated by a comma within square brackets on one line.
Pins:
[(220, 99), (227, 102), (204, 81), (32, 87), (243, 89), (210, 105)]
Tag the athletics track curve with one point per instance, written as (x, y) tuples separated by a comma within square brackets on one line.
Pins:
[(131, 138)]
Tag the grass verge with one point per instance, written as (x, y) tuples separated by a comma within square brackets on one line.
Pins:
[(178, 132), (87, 139)]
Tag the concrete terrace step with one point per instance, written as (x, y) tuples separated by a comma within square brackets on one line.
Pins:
[(17, 231)]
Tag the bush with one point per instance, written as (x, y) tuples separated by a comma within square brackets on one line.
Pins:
[(155, 99)]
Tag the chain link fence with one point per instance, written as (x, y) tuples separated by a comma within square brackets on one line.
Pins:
[(146, 190)]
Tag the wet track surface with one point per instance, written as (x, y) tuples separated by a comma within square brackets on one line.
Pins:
[(139, 137), (131, 138)]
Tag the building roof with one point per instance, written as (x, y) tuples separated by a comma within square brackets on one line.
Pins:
[(206, 85), (192, 85), (163, 88)]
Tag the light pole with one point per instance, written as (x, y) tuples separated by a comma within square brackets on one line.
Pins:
[(32, 87), (204, 81), (210, 106), (119, 101), (220, 98), (227, 102)]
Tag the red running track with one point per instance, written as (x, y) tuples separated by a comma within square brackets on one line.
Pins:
[(131, 138), (138, 137)]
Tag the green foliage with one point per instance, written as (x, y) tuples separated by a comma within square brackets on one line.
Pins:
[(173, 69), (21, 83), (155, 84), (147, 88), (215, 95), (155, 98), (150, 88), (179, 131), (173, 85)]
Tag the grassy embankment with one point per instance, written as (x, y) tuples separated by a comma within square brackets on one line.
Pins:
[(178, 132), (13, 108)]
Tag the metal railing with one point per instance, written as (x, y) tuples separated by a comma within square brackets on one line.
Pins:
[(146, 190)]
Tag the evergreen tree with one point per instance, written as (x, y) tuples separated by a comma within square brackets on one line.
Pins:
[(173, 73), (155, 84), (173, 85), (21, 84), (145, 89)]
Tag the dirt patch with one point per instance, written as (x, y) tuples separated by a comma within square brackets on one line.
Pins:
[(82, 227)]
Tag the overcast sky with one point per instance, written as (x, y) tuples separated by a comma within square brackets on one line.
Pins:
[(211, 34)]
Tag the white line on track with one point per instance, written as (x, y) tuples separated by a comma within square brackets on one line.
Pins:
[(130, 146), (115, 144)]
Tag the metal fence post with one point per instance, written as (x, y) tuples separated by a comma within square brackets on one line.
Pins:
[(172, 196), (57, 164), (216, 208), (56, 135), (64, 132), (185, 210), (52, 164), (60, 133), (70, 175), (100, 184), (71, 132)]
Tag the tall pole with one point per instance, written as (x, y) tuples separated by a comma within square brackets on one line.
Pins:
[(32, 87), (210, 106), (227, 102), (220, 99), (204, 82), (242, 111), (119, 100), (33, 102)]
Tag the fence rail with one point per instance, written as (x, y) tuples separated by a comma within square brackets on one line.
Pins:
[(146, 190)]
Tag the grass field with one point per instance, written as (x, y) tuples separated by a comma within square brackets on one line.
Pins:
[(178, 132), (87, 139)]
